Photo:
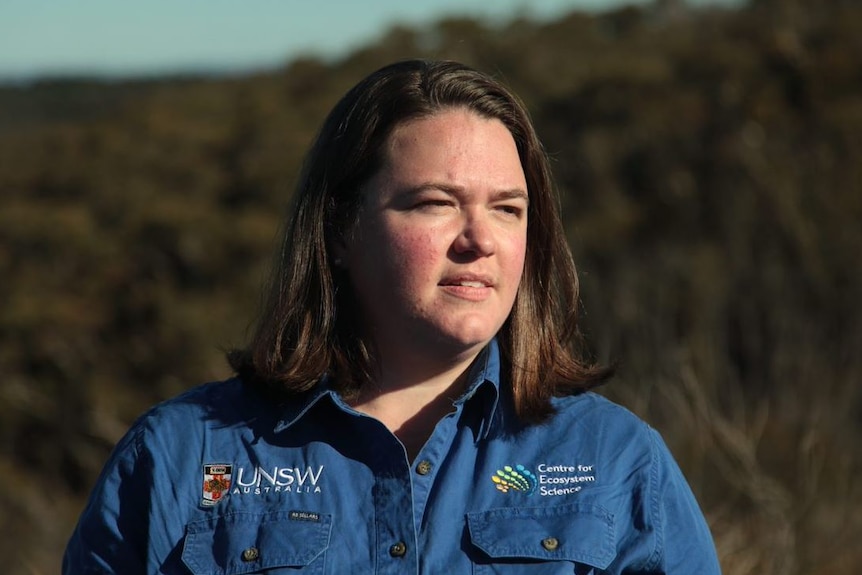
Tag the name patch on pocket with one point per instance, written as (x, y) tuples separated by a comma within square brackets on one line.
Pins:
[(304, 516)]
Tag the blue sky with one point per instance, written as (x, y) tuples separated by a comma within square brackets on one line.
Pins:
[(142, 37)]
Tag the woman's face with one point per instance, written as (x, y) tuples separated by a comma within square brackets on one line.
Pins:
[(437, 253)]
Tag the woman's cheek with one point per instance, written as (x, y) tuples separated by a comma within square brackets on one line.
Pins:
[(416, 246)]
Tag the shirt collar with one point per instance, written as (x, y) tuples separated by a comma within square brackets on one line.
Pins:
[(294, 410), (483, 388)]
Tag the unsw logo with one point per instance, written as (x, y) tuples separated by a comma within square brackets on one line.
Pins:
[(260, 480), (220, 479), (217, 478)]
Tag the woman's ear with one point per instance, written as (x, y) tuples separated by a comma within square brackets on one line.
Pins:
[(338, 251), (340, 233)]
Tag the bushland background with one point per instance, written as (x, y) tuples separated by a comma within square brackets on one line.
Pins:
[(710, 166)]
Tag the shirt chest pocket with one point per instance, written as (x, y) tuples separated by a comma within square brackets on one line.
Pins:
[(572, 538), (274, 542)]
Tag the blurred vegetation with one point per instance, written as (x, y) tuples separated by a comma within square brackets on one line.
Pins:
[(710, 162)]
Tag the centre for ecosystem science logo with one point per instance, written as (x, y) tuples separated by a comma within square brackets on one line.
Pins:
[(517, 478), (552, 480)]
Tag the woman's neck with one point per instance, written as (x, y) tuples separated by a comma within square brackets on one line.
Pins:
[(410, 400)]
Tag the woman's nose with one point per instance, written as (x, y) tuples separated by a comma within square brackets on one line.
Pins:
[(476, 236)]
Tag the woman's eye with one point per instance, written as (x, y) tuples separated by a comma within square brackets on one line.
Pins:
[(511, 210), (431, 204)]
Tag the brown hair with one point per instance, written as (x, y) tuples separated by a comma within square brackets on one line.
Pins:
[(307, 330)]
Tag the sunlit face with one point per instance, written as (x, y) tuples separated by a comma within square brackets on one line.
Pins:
[(437, 253)]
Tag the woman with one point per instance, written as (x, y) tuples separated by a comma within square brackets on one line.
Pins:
[(413, 399)]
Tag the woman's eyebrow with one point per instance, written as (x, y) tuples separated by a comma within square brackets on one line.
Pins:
[(453, 190), (450, 189), (512, 194)]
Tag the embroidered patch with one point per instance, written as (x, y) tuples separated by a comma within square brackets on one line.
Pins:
[(304, 516), (517, 478), (216, 482)]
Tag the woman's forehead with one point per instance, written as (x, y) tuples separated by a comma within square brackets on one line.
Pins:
[(454, 149)]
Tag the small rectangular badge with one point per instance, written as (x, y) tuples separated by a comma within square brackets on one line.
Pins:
[(304, 516), (216, 483)]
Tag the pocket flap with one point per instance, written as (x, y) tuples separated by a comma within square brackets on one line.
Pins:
[(237, 543), (575, 532)]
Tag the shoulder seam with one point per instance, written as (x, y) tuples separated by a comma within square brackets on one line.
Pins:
[(655, 503)]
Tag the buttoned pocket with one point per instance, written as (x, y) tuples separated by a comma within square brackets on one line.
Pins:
[(237, 543), (573, 538)]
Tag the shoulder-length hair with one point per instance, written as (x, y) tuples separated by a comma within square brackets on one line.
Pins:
[(307, 328)]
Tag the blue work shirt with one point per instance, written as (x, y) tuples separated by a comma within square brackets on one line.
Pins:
[(219, 481)]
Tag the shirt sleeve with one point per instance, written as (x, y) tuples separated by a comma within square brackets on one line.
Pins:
[(111, 535), (684, 544)]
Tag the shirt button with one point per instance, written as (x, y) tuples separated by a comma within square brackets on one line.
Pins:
[(250, 554), (550, 544), (424, 467), (398, 550)]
